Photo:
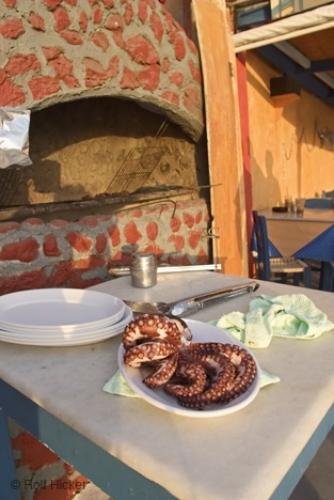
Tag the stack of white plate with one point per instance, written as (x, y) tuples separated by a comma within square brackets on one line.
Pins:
[(61, 317)]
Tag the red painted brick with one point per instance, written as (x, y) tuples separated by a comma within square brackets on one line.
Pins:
[(177, 78), (36, 21), (202, 257), (171, 97), (25, 281), (118, 38), (51, 52), (131, 233), (152, 230), (97, 15), (21, 63), (199, 217), (100, 39), (175, 224), (194, 238), (83, 21), (178, 241), (43, 86), (10, 3), (156, 26), (165, 65), (108, 3), (179, 46), (79, 242), (149, 78), (89, 221), (62, 66), (96, 74), (59, 223), (129, 79), (91, 262), (128, 13), (24, 250), (155, 249), (34, 221), (11, 28), (7, 227), (3, 75), (52, 4), (114, 22), (142, 11), (61, 18), (115, 235), (195, 71), (72, 37), (101, 243), (50, 246), (62, 489), (141, 50), (188, 219), (73, 3), (121, 258), (137, 212), (60, 273), (33, 453)]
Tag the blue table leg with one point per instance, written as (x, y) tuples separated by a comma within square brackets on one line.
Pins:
[(9, 486), (108, 473), (327, 276)]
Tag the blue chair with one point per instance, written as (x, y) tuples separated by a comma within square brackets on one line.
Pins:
[(281, 269), (319, 203), (321, 249)]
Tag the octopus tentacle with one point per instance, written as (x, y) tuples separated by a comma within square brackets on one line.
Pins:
[(190, 380), (153, 326), (148, 352), (165, 371), (217, 389)]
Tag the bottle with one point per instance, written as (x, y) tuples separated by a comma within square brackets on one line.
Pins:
[(144, 270)]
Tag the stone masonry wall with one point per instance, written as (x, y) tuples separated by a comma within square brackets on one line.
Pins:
[(56, 50), (38, 254)]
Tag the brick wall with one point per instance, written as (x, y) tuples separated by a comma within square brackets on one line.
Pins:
[(56, 50), (35, 254)]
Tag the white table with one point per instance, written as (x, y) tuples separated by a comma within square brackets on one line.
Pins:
[(134, 450)]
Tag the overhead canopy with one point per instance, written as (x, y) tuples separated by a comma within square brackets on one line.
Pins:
[(297, 25), (300, 47)]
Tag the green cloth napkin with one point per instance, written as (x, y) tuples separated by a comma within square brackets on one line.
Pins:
[(290, 316), (118, 385)]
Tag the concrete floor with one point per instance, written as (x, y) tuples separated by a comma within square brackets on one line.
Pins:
[(316, 484)]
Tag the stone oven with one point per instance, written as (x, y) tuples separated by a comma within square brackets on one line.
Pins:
[(114, 88)]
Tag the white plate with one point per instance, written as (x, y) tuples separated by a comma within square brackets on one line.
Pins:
[(31, 334), (202, 332), (65, 339), (59, 309)]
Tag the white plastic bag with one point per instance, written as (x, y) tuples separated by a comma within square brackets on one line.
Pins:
[(14, 137)]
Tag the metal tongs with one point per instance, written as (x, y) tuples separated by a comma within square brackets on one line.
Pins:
[(192, 304)]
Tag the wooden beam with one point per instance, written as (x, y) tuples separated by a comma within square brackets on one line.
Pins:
[(223, 135)]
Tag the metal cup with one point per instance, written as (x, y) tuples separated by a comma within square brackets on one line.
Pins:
[(144, 270)]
